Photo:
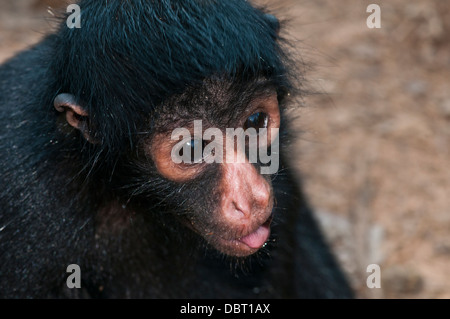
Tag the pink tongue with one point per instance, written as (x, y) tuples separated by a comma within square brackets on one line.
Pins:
[(258, 238)]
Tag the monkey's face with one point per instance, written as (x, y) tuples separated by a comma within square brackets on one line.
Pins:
[(216, 160), (208, 159)]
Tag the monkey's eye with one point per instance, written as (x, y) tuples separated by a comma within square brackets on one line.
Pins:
[(194, 149), (257, 121)]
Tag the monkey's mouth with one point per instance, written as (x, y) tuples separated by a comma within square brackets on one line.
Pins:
[(248, 244), (258, 238)]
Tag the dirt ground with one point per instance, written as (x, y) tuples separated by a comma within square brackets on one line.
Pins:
[(374, 147)]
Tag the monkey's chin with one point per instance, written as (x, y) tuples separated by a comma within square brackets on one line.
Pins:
[(247, 245)]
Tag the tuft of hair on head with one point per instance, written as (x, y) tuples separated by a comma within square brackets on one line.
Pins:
[(129, 56)]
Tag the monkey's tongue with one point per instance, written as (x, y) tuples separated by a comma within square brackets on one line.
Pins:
[(258, 238)]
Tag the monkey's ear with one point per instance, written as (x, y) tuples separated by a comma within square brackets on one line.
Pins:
[(76, 115), (273, 22)]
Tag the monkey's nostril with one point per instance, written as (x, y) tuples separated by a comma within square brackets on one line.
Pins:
[(254, 206), (240, 211)]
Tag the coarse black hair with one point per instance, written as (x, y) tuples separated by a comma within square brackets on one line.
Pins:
[(150, 50)]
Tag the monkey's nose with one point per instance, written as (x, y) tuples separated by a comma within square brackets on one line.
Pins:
[(247, 196), (253, 199)]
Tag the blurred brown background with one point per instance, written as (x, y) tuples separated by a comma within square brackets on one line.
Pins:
[(374, 154)]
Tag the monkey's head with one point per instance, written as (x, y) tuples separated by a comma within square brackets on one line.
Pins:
[(215, 158), (186, 102)]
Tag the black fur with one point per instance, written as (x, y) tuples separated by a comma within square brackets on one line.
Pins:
[(138, 67)]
